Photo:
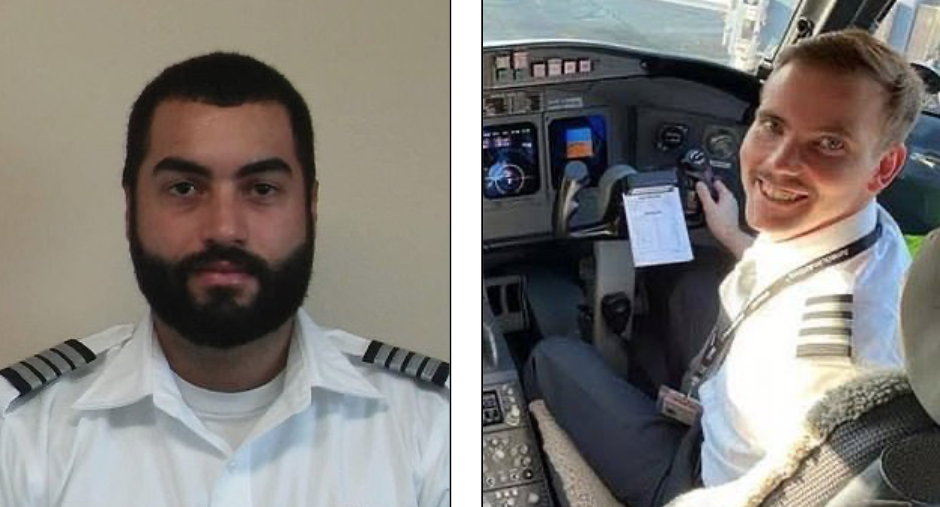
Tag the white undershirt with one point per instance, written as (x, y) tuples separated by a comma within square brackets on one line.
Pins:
[(231, 416)]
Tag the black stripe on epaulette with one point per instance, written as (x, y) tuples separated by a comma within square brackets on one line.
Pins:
[(35, 372), (843, 315), (824, 350), (832, 298), (826, 331), (411, 363)]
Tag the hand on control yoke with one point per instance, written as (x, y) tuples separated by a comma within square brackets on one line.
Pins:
[(721, 215)]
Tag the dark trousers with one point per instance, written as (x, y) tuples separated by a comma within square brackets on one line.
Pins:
[(642, 457)]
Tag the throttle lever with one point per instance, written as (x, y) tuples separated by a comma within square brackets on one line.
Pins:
[(696, 165)]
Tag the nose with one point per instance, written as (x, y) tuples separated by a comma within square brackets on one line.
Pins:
[(786, 156), (225, 221)]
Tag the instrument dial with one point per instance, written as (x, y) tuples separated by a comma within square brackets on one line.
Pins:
[(504, 178)]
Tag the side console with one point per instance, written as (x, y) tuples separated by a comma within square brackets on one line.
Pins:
[(513, 475)]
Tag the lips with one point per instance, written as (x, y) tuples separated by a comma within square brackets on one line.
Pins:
[(222, 273), (778, 194)]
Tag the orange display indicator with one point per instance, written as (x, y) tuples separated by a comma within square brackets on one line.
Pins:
[(502, 61), (578, 143), (571, 66), (585, 66), (520, 60), (554, 67)]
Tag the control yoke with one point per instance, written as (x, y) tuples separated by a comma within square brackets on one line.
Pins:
[(566, 201)]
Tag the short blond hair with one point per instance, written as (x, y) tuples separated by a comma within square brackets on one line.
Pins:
[(857, 51)]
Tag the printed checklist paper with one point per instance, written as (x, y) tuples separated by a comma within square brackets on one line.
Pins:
[(658, 234)]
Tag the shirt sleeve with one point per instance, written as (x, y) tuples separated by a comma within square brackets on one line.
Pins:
[(21, 476), (434, 465)]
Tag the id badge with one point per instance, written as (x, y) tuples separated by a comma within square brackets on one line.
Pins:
[(677, 406)]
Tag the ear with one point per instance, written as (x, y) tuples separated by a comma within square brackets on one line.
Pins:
[(888, 167)]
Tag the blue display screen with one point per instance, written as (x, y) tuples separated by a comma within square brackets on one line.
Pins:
[(582, 138)]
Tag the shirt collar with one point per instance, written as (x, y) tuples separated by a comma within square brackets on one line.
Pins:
[(139, 370), (773, 259)]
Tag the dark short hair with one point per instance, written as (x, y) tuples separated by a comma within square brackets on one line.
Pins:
[(857, 51), (224, 80)]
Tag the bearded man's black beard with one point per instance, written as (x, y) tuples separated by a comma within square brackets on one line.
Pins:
[(221, 322)]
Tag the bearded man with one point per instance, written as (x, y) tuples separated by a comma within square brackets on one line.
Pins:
[(226, 393)]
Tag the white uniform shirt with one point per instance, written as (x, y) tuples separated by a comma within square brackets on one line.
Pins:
[(807, 339), (117, 433)]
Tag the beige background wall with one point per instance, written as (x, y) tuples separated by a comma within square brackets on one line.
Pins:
[(375, 74)]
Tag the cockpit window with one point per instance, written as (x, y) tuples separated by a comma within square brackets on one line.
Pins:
[(913, 28), (736, 33)]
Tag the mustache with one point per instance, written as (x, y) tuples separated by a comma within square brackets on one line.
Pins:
[(241, 259)]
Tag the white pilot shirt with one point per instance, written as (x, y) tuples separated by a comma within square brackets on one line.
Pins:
[(117, 433), (809, 338)]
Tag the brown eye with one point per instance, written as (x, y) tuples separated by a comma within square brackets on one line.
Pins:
[(183, 189), (264, 189)]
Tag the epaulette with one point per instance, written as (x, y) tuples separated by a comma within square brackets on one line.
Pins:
[(826, 330), (409, 363), (35, 372)]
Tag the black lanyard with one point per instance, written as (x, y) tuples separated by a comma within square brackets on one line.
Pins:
[(717, 343)]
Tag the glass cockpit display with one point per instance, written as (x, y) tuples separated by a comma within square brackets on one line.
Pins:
[(510, 160), (581, 138)]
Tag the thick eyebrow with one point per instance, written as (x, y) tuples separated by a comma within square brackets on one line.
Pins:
[(264, 166), (180, 165)]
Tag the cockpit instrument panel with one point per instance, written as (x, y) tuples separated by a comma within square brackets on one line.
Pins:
[(510, 161), (582, 138)]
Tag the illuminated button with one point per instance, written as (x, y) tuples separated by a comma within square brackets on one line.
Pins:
[(533, 498), (502, 62), (499, 454), (527, 474), (499, 495), (526, 461), (511, 502), (570, 67), (585, 66), (523, 449), (520, 60), (554, 67), (539, 70), (513, 476)]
